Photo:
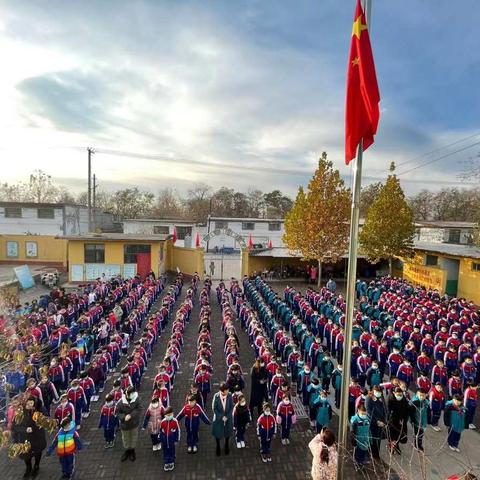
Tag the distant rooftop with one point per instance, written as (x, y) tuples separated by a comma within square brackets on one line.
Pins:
[(95, 237), (161, 220), (244, 219), (37, 205), (449, 249), (444, 224)]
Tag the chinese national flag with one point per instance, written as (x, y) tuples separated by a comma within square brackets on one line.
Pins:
[(363, 97), (197, 241), (174, 237), (250, 242)]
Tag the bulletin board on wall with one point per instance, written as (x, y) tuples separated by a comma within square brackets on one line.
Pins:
[(129, 270), (76, 273), (96, 270)]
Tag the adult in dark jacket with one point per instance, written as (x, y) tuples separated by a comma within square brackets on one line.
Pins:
[(259, 386), (398, 410), (27, 430), (377, 414), (128, 412), (222, 424)]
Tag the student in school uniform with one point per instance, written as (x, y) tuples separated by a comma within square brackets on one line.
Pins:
[(455, 418), (361, 437), (193, 413), (286, 418), (241, 418), (169, 436), (108, 421), (266, 429)]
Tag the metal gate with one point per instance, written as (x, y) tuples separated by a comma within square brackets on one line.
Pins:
[(223, 267)]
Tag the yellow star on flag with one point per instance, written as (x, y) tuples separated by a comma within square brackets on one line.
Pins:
[(358, 27), (355, 61)]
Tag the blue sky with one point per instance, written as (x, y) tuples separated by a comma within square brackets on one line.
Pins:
[(247, 83)]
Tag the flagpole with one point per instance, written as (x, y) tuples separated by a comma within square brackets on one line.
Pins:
[(350, 298)]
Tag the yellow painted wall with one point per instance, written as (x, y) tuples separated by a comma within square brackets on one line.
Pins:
[(49, 249), (188, 260), (113, 252), (469, 281)]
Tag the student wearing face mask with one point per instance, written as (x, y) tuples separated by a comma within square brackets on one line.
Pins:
[(193, 413), (377, 414), (152, 420), (64, 409), (266, 429), (419, 417), (323, 411), (169, 436), (286, 418), (361, 437), (398, 410), (241, 419), (374, 377), (108, 421)]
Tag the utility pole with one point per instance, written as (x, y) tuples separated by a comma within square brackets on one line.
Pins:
[(89, 199), (94, 202)]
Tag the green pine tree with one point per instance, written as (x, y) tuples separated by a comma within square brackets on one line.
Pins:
[(389, 226)]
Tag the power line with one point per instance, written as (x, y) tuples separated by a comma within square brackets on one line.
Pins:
[(439, 149), (186, 161), (439, 158)]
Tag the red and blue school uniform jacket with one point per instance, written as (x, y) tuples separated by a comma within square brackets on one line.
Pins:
[(134, 372), (108, 419), (455, 342), (450, 360), (439, 374), (410, 353), (382, 354), (54, 341), (77, 398), (193, 415), (354, 391), (34, 392), (441, 336), (363, 364), (117, 394), (202, 381), (169, 431), (66, 441), (66, 364), (468, 371), (64, 333), (165, 377), (55, 374), (286, 414), (394, 362), (266, 426), (424, 383), (162, 395), (427, 345), (464, 351), (278, 396), (276, 383), (439, 352), (88, 386), (62, 412), (437, 399), (454, 386), (424, 364), (292, 361), (405, 373), (470, 398)]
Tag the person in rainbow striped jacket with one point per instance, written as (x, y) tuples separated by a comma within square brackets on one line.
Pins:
[(66, 443)]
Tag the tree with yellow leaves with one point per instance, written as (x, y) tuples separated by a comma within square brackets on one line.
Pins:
[(317, 225), (389, 226)]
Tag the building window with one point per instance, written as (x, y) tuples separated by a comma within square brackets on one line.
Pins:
[(182, 232), (12, 249), (45, 213), (221, 224), (161, 230), (94, 253), (454, 236), (431, 260), (13, 212), (274, 226), (248, 225), (130, 252), (476, 267)]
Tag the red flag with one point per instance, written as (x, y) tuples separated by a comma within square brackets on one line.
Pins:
[(270, 245), (250, 242), (197, 241), (363, 97), (174, 238)]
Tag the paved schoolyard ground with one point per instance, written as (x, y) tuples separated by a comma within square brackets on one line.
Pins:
[(289, 462)]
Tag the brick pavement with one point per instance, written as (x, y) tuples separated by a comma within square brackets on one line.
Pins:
[(94, 462)]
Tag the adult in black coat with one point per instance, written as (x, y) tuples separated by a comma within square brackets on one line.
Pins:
[(27, 430), (259, 386), (398, 415), (377, 413)]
